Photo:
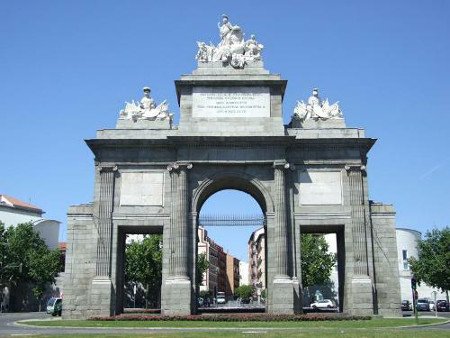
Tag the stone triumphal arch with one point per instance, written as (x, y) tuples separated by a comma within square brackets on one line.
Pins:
[(153, 176)]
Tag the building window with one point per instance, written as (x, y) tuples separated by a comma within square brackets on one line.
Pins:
[(405, 259)]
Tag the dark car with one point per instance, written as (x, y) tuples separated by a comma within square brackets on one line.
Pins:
[(406, 305), (442, 305), (423, 304)]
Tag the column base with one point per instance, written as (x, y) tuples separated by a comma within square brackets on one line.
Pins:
[(101, 297), (176, 297), (282, 296), (361, 297)]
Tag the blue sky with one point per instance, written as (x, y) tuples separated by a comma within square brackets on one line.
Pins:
[(66, 68)]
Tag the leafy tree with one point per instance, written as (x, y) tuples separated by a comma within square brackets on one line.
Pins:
[(43, 266), (202, 266), (244, 291), (143, 265), (27, 259), (433, 263), (317, 262)]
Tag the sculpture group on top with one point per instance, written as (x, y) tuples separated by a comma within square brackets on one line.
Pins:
[(317, 109), (146, 109), (232, 49)]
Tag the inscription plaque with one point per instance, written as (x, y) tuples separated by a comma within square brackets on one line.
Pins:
[(231, 102), (142, 188)]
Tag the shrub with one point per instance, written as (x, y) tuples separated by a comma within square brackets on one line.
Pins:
[(241, 317)]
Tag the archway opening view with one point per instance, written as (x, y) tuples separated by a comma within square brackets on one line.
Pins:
[(320, 272), (231, 251), (141, 273)]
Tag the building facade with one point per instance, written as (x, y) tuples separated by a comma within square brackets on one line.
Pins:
[(232, 271), (257, 260), (14, 211), (407, 243)]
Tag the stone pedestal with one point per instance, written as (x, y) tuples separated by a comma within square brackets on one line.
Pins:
[(360, 297), (176, 297), (282, 296), (101, 296)]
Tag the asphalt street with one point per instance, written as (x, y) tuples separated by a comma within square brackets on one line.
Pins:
[(9, 327)]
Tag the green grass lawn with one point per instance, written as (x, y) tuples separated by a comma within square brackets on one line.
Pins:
[(345, 324), (352, 333)]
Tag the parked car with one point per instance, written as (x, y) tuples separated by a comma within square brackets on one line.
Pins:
[(432, 305), (324, 303), (54, 306), (406, 305), (442, 305), (220, 299), (423, 304)]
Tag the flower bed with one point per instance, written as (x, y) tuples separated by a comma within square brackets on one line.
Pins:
[(241, 317)]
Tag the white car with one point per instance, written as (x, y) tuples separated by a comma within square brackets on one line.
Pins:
[(323, 304), (220, 299)]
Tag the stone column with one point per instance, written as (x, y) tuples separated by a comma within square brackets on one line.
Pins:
[(177, 289), (101, 292), (280, 234), (360, 291), (282, 294), (104, 222), (359, 235)]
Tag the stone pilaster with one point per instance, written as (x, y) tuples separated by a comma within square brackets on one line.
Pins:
[(282, 293), (360, 289), (177, 289), (281, 232), (359, 223), (104, 222), (101, 297)]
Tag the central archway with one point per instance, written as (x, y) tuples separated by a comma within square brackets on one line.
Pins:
[(232, 180), (237, 181)]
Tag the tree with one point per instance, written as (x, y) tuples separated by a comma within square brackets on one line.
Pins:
[(43, 265), (244, 291), (143, 265), (202, 266), (433, 263), (26, 259), (317, 262)]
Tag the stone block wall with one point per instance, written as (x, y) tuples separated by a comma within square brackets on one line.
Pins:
[(80, 262), (385, 259)]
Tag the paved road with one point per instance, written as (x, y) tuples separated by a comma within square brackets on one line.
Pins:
[(9, 328)]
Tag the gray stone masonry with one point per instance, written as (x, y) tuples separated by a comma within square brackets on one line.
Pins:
[(387, 280), (154, 178)]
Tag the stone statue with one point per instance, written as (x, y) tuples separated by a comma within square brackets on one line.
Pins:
[(317, 109), (146, 109), (147, 103), (232, 49), (253, 48)]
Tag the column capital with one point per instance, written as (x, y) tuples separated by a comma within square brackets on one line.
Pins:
[(178, 166), (356, 167), (107, 168), (281, 164)]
